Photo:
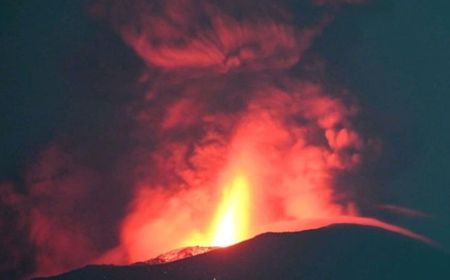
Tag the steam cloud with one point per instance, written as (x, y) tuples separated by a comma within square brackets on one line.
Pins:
[(225, 91)]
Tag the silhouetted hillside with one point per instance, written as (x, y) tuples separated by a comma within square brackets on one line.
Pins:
[(335, 252)]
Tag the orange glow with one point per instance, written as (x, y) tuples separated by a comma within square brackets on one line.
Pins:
[(232, 217)]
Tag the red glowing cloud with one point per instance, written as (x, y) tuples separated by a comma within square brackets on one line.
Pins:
[(179, 34), (287, 142)]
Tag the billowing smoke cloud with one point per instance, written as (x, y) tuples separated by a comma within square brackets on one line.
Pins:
[(224, 93), (225, 104)]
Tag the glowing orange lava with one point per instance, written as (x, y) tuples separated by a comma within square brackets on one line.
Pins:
[(231, 221)]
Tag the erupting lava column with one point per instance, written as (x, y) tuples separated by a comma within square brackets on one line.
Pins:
[(232, 218)]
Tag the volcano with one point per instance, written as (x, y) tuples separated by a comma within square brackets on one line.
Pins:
[(340, 251)]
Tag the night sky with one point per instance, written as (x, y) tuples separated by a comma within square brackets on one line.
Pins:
[(65, 77), (398, 66)]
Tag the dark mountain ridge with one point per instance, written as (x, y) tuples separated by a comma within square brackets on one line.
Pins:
[(341, 251)]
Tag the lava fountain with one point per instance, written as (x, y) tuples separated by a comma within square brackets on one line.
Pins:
[(232, 218)]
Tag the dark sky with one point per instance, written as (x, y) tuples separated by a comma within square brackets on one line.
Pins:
[(59, 68), (398, 65)]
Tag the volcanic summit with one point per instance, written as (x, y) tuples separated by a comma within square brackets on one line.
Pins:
[(341, 251)]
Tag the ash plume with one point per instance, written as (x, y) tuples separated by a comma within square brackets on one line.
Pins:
[(223, 102)]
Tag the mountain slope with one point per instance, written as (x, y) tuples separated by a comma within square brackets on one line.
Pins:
[(334, 252)]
